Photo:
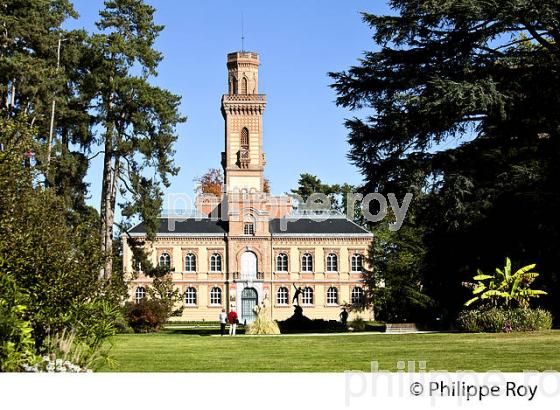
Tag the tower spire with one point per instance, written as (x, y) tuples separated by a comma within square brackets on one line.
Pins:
[(242, 34)]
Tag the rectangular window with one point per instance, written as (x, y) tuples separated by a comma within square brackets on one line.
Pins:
[(249, 229)]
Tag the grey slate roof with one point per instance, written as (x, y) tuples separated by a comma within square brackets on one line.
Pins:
[(308, 226), (303, 226), (177, 226)]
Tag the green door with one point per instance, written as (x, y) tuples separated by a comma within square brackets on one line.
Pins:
[(249, 300)]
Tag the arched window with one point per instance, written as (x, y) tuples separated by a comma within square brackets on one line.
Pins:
[(282, 262), (357, 296), (245, 138), (332, 296), (165, 260), (307, 296), (332, 263), (216, 262), (282, 296), (307, 263), (139, 294), (357, 261), (244, 86), (216, 296), (190, 262), (190, 296)]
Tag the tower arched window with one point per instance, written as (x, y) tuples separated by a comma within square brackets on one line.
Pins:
[(245, 138), (244, 85)]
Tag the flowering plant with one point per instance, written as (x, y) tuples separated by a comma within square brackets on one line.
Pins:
[(50, 364)]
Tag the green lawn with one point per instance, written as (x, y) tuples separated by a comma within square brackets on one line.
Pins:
[(174, 351)]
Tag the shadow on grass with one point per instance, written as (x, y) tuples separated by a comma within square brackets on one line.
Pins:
[(199, 331)]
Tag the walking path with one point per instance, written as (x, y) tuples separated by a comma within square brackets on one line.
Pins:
[(340, 334)]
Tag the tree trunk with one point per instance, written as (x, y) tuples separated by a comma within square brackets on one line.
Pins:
[(107, 216), (111, 218)]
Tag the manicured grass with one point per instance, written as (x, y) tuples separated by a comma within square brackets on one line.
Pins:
[(173, 351)]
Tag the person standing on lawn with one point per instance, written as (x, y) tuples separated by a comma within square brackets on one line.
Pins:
[(223, 321), (232, 319), (344, 316)]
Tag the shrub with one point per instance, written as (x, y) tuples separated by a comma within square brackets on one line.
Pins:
[(524, 320), (122, 326), (146, 315), (53, 255), (358, 325), (17, 346), (494, 320)]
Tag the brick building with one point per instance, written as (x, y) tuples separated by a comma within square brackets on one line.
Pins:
[(247, 245)]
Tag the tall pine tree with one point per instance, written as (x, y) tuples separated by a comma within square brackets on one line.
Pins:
[(137, 118)]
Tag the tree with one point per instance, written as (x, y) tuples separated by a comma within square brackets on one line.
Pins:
[(395, 281), (266, 186), (163, 299), (138, 119), (42, 73), (337, 195), (51, 256), (464, 101), (309, 184), (212, 182)]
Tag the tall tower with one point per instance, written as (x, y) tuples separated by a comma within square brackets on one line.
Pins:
[(242, 107)]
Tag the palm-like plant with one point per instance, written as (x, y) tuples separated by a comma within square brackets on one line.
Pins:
[(506, 286)]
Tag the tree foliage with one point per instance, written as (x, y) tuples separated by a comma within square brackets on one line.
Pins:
[(394, 281), (138, 119), (337, 194), (212, 182), (463, 101), (49, 252)]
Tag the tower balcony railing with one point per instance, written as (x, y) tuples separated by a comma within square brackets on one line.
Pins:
[(244, 97), (243, 158)]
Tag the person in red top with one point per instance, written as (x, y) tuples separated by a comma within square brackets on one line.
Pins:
[(232, 319)]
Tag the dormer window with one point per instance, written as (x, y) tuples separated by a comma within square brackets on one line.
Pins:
[(249, 228)]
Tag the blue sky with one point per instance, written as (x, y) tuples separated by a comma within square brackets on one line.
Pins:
[(299, 43)]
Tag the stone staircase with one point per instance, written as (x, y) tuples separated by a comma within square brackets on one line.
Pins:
[(401, 328)]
